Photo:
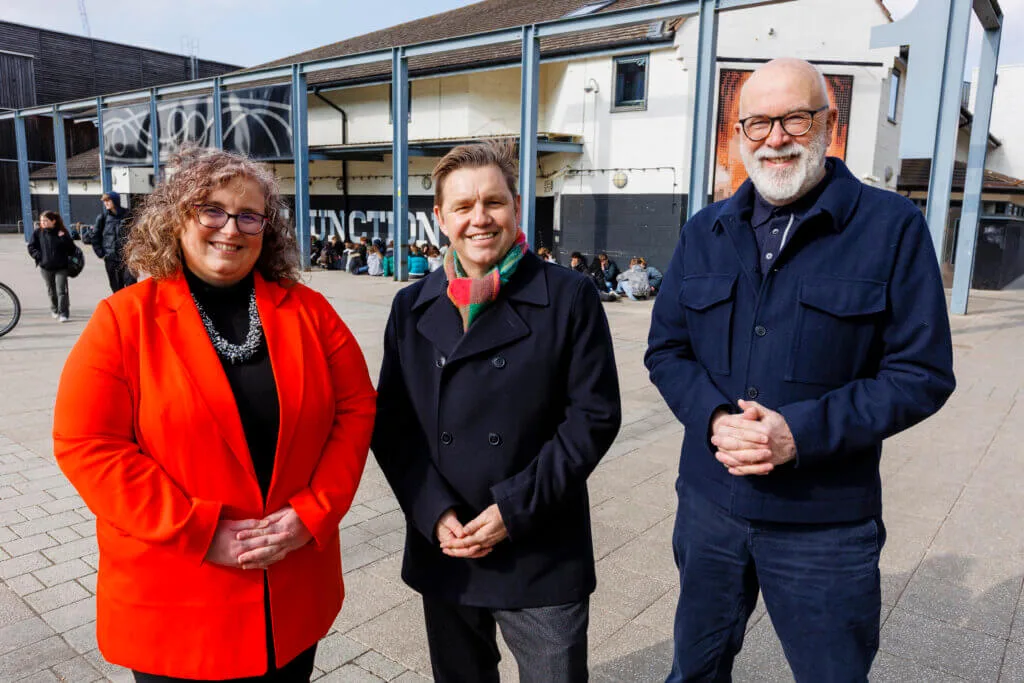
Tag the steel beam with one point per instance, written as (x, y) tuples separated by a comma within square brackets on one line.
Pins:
[(154, 136), (703, 102), (478, 40), (553, 147), (60, 151), (967, 236), (106, 182), (218, 115), (400, 159), (529, 102), (940, 183), (24, 190), (300, 154)]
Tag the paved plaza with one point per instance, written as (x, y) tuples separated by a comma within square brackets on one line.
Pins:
[(952, 568)]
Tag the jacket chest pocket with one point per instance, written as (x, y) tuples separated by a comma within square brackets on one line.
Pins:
[(836, 323), (709, 301)]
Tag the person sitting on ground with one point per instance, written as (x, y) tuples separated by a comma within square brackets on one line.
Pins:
[(418, 266), (353, 258), (374, 262), (609, 269), (578, 262), (654, 276), (316, 245), (545, 255), (434, 258), (634, 282)]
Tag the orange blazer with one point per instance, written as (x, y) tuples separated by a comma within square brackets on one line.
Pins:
[(146, 428)]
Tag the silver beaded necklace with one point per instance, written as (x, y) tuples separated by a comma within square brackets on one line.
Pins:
[(234, 353)]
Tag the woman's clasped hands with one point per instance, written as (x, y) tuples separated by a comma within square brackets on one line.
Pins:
[(257, 543)]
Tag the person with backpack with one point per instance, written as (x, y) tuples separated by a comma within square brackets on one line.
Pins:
[(108, 239), (50, 246)]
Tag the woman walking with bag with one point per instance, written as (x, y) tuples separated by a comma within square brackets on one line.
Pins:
[(50, 247)]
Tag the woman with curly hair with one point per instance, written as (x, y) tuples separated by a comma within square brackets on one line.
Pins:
[(233, 427)]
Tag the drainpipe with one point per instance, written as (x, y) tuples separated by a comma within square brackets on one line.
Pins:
[(344, 163)]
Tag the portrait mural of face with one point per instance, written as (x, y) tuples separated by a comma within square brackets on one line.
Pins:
[(729, 170)]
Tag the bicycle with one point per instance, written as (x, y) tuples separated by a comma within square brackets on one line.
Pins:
[(10, 309)]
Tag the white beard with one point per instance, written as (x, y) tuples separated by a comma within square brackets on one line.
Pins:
[(786, 185)]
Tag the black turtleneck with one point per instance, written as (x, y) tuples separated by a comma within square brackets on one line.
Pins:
[(252, 382)]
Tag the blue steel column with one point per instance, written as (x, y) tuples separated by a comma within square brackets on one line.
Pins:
[(61, 153), (940, 184), (400, 159), (300, 155), (105, 180), (154, 135), (703, 100), (967, 238), (218, 114), (21, 143), (528, 106)]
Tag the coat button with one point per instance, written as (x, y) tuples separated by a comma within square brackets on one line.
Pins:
[(751, 393), (494, 439), (760, 330), (446, 438), (498, 362), (440, 362)]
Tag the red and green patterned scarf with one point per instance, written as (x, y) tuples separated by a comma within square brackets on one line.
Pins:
[(473, 295)]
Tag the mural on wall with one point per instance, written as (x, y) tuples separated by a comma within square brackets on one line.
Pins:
[(729, 171), (255, 121)]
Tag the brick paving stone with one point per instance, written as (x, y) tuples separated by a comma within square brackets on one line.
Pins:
[(6, 534), (114, 673), (88, 582), (93, 560), (337, 650), (63, 504), (70, 616), (380, 665), (9, 518), (82, 638), (65, 571), (25, 500), (78, 670), (81, 548), (29, 544), (8, 492), (34, 658), (57, 480), (22, 633), (44, 676), (411, 677), (38, 526), (63, 535), (24, 584), (33, 512), (25, 563), (56, 596), (350, 673), (43, 472), (10, 478), (85, 529)]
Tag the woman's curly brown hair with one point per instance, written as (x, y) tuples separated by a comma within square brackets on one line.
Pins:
[(194, 172)]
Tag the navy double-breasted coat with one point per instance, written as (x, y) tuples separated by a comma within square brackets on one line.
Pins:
[(516, 411)]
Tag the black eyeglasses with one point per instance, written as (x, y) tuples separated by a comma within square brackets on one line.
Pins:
[(215, 218), (795, 123)]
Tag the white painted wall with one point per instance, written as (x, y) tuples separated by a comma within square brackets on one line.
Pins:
[(124, 181), (1006, 106), (653, 146)]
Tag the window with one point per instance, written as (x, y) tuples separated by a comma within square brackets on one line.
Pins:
[(588, 8), (391, 103), (630, 83), (894, 94)]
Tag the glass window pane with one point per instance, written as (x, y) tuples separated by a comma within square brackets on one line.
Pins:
[(630, 81), (894, 92)]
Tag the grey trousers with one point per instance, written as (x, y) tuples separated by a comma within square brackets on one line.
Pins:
[(548, 643), (57, 288)]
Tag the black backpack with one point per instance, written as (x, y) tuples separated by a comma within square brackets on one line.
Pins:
[(76, 262)]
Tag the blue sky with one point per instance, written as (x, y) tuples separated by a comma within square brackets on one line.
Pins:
[(248, 32)]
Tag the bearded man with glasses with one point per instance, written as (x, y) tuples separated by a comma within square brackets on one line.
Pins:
[(800, 323)]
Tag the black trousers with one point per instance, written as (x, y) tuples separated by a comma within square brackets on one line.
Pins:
[(548, 643), (295, 671), (118, 274)]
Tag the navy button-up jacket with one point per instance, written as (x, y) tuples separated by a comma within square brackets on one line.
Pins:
[(846, 336)]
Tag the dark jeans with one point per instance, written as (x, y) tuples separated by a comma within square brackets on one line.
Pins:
[(821, 586), (117, 274), (57, 290), (548, 643)]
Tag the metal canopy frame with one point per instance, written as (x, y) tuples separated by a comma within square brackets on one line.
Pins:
[(937, 32), (938, 105)]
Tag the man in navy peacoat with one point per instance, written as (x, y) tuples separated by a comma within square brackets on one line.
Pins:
[(503, 422), (800, 323)]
